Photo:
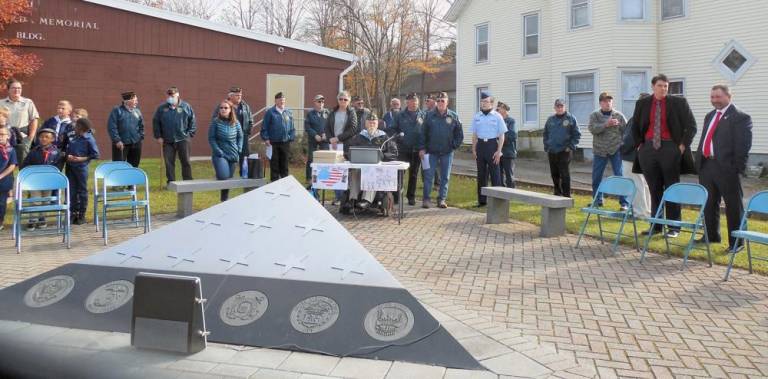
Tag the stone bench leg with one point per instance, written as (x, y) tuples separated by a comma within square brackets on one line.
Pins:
[(552, 222), (184, 204), (497, 212)]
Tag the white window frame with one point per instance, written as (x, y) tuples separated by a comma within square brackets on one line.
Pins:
[(620, 91), (487, 43), (525, 125), (681, 80), (538, 34), (595, 90), (621, 15), (661, 12), (478, 89), (570, 13), (724, 70)]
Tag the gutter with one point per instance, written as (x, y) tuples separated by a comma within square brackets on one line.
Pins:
[(345, 72)]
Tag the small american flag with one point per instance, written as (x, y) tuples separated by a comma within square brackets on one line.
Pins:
[(330, 175)]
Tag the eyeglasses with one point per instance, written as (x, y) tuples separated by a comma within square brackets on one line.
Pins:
[(15, 89), (223, 107), (343, 99), (319, 101), (441, 101)]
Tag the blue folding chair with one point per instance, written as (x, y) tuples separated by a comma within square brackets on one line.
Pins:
[(98, 177), (23, 174), (694, 195), (757, 204), (58, 203), (122, 177), (616, 186)]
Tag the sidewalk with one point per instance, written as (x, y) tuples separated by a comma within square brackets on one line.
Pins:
[(536, 172)]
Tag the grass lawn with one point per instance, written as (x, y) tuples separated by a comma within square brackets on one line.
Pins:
[(462, 194)]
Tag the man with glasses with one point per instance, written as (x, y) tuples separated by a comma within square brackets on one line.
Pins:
[(277, 130), (245, 117), (126, 130), (23, 117), (314, 126), (410, 122), (488, 129), (361, 111), (172, 126), (442, 135)]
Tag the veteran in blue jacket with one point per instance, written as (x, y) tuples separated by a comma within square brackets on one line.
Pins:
[(561, 135), (410, 122), (443, 134), (314, 126), (509, 148), (278, 132), (126, 130), (173, 125)]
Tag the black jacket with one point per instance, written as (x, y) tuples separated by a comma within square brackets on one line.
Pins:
[(351, 128), (732, 139), (389, 149), (680, 122)]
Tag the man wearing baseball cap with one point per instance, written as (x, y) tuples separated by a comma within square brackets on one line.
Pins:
[(607, 126), (126, 129), (314, 126), (173, 125), (277, 130), (561, 135)]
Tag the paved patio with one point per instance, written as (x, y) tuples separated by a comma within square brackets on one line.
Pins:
[(522, 305)]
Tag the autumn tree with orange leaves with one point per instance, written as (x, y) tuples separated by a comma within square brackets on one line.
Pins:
[(12, 62)]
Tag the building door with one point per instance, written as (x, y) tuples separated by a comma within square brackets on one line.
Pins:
[(292, 86)]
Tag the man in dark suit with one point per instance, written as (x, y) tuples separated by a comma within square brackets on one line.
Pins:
[(721, 158), (664, 130)]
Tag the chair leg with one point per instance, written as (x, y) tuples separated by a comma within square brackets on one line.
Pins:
[(104, 225), (706, 239), (749, 255), (689, 247), (148, 215), (618, 234), (647, 241), (634, 227), (600, 228), (665, 230), (583, 228)]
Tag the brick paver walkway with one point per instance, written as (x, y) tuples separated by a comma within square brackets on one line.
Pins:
[(510, 296)]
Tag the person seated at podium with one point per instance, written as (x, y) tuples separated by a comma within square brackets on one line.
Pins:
[(371, 137)]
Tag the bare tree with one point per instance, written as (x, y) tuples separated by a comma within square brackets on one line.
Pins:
[(323, 23), (242, 13), (282, 17), (204, 9), (434, 35)]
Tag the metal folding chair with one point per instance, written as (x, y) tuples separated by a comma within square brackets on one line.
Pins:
[(58, 203), (694, 195), (757, 204), (98, 177), (121, 177), (616, 186), (23, 174)]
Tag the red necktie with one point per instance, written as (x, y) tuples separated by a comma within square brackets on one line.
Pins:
[(710, 133)]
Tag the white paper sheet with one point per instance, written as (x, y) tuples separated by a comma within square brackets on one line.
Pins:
[(425, 162), (339, 147), (269, 152)]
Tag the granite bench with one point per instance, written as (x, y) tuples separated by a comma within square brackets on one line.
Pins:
[(552, 207), (186, 188)]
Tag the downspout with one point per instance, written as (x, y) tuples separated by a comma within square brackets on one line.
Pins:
[(345, 72)]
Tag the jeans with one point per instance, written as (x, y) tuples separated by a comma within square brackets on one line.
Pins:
[(224, 170), (598, 167), (441, 162)]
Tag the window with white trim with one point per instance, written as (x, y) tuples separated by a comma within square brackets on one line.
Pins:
[(481, 43), (677, 87), (581, 13), (479, 91), (530, 103), (632, 10), (633, 83), (733, 61), (672, 9), (531, 34), (580, 95)]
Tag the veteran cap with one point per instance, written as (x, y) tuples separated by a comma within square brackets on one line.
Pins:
[(605, 96), (128, 95), (559, 101)]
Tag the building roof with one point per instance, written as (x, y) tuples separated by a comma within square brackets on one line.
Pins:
[(222, 28), (444, 80), (455, 10)]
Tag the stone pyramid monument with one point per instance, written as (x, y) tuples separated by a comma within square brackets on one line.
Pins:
[(278, 272)]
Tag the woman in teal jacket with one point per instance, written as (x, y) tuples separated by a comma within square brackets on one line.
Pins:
[(226, 139)]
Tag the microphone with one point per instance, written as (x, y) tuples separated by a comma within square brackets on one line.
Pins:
[(390, 138)]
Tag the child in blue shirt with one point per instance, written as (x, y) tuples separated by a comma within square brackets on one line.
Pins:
[(44, 153), (8, 163), (81, 149)]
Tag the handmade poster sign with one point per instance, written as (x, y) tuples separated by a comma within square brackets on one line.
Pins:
[(378, 178), (330, 177)]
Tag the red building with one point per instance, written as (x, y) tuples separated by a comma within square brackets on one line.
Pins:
[(92, 50)]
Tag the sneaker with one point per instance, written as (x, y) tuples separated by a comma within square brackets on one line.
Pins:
[(41, 223), (30, 226), (673, 234), (426, 204), (441, 204), (624, 207)]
